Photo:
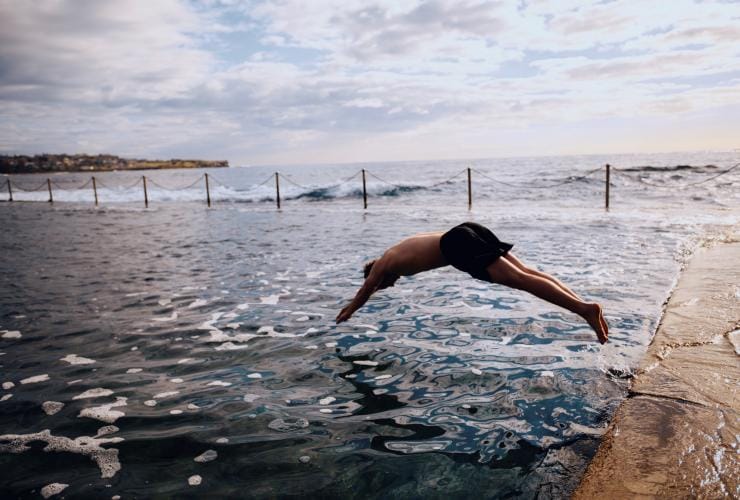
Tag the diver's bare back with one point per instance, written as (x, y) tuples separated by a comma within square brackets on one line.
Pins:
[(415, 254)]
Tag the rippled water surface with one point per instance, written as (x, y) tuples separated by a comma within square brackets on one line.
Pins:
[(185, 351)]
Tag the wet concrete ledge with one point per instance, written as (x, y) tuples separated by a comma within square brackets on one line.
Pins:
[(677, 435)]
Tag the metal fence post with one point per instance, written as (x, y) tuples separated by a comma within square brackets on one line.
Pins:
[(364, 189), (208, 192), (10, 190), (95, 191), (277, 189), (470, 191), (606, 195), (146, 195), (48, 184)]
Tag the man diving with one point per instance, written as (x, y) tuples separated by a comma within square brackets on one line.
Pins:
[(473, 249)]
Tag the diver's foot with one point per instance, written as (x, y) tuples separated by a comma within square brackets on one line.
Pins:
[(595, 319)]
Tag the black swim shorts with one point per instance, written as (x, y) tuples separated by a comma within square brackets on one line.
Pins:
[(471, 247)]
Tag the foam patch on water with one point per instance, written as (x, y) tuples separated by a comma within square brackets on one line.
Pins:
[(53, 489), (74, 359), (270, 299), (167, 394), (106, 430), (8, 385), (91, 447), (5, 397), (582, 429), (250, 398), (206, 456), (134, 370), (35, 379), (52, 407), (288, 424), (327, 400), (150, 403), (11, 334), (195, 480), (197, 303), (105, 413), (98, 392), (219, 383), (364, 362)]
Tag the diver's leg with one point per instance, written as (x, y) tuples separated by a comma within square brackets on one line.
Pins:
[(524, 268), (502, 271)]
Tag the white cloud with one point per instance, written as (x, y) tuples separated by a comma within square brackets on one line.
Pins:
[(258, 81)]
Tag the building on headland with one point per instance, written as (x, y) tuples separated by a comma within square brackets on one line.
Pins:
[(23, 164)]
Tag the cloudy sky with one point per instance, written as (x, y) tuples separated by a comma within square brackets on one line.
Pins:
[(296, 81)]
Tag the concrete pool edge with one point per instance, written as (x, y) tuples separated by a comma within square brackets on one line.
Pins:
[(676, 434)]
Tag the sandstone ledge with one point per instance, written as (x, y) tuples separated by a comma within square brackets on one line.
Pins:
[(678, 433)]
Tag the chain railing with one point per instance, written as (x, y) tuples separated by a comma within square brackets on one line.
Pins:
[(207, 179)]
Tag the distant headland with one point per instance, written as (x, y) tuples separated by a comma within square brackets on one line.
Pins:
[(22, 164)]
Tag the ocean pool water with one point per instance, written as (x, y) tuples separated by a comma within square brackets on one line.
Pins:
[(184, 351)]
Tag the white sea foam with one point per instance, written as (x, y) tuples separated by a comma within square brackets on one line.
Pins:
[(134, 370), (150, 402), (98, 392), (74, 359), (582, 429), (365, 362), (476, 371), (5, 397), (164, 302), (11, 334), (206, 456), (53, 489), (177, 380), (254, 375), (193, 406), (219, 383), (327, 400), (105, 458), (167, 394), (222, 440), (270, 299), (52, 407), (249, 398), (35, 379), (105, 413), (175, 412), (106, 430), (195, 480), (8, 385), (197, 303)]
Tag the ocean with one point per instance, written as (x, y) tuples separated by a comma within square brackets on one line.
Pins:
[(186, 351)]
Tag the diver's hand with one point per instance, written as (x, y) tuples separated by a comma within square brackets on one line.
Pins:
[(344, 314)]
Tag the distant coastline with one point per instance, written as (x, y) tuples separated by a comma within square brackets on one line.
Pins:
[(23, 164)]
